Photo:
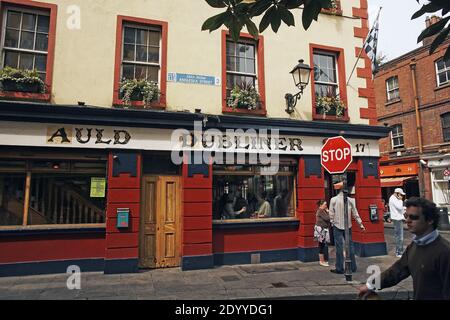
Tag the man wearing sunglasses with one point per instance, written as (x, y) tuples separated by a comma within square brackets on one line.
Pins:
[(426, 259)]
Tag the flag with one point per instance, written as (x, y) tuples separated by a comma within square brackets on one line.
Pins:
[(370, 45)]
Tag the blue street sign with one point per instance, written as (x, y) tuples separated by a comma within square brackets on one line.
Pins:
[(193, 79)]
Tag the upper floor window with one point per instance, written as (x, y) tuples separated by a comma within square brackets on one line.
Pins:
[(141, 53), (328, 98), (243, 88), (392, 89), (25, 40), (241, 64), (397, 136), (443, 72), (446, 126), (27, 45)]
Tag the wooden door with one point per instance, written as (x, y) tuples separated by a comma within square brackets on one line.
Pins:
[(160, 222), (147, 237), (169, 211)]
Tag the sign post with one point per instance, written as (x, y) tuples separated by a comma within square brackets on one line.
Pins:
[(336, 156)]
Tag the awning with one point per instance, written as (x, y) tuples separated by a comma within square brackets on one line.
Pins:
[(394, 182)]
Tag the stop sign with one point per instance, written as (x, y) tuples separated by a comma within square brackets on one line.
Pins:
[(336, 155)]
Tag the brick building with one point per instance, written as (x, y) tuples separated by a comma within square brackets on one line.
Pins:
[(413, 98)]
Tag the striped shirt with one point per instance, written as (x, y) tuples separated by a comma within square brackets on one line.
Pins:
[(337, 211)]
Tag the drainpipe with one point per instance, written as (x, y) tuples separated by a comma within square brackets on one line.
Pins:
[(412, 65)]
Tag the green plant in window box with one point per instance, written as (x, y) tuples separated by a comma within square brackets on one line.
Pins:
[(244, 96), (139, 90), (330, 104), (20, 80)]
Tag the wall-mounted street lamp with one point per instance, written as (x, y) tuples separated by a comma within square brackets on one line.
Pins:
[(301, 74)]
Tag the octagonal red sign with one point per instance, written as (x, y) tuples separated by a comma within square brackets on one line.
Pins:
[(336, 155)]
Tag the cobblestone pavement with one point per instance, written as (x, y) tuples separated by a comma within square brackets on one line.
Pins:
[(286, 280)]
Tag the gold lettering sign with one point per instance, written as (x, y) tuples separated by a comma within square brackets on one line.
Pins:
[(59, 135)]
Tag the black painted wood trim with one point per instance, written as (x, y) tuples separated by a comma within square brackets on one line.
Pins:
[(258, 224), (48, 231)]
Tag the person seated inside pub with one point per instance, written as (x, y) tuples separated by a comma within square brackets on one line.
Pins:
[(228, 210), (264, 209)]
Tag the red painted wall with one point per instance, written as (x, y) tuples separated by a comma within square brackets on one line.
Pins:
[(124, 191), (51, 247)]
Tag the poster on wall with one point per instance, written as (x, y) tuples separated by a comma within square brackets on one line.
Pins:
[(98, 187)]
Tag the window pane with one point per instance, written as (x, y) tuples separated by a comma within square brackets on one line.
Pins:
[(141, 37), (11, 59), (141, 53), (26, 61), (240, 65), (12, 192), (29, 22), (242, 49), (43, 24), (128, 71), (64, 199), (154, 38), (13, 20), (41, 63), (446, 121), (442, 78), (231, 63), (251, 66), (440, 65), (41, 42), (12, 38), (250, 52), (231, 48), (447, 134), (153, 74), (141, 72), (129, 35), (323, 90), (128, 52), (153, 54), (27, 40)]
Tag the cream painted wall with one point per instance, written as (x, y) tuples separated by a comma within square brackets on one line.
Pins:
[(84, 59)]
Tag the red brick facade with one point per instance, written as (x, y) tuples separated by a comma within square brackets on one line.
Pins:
[(433, 101)]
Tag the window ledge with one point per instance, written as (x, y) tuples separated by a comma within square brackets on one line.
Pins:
[(320, 117), (443, 86), (43, 97), (335, 12), (139, 105), (7, 231), (255, 223), (258, 112), (390, 102)]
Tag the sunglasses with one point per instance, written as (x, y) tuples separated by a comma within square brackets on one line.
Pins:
[(412, 216)]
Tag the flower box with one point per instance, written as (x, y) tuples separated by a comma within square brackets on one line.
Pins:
[(11, 85)]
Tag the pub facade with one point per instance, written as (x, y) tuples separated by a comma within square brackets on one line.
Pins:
[(89, 178)]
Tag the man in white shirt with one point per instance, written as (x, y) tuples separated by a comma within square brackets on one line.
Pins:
[(397, 210)]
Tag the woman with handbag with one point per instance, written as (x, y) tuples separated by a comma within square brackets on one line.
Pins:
[(322, 231)]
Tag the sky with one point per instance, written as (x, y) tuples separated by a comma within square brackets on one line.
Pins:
[(398, 33)]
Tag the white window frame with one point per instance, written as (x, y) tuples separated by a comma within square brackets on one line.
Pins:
[(335, 58), (396, 136), (141, 63), (4, 13), (390, 92), (438, 72), (244, 74)]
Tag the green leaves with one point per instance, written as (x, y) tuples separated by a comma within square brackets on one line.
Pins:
[(240, 13), (438, 29)]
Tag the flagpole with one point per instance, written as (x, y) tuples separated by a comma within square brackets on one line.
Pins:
[(362, 48)]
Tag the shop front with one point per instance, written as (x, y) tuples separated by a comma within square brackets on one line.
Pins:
[(101, 189), (404, 175), (439, 167)]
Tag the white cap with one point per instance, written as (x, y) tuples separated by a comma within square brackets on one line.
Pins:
[(399, 190)]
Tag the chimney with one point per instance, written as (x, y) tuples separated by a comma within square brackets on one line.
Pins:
[(429, 21)]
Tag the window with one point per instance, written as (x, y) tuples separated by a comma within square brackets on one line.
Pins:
[(141, 53), (241, 192), (392, 89), (446, 126), (52, 192), (243, 66), (397, 136), (328, 84), (28, 39), (443, 72)]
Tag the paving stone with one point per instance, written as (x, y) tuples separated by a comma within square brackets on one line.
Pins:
[(245, 293), (285, 292)]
